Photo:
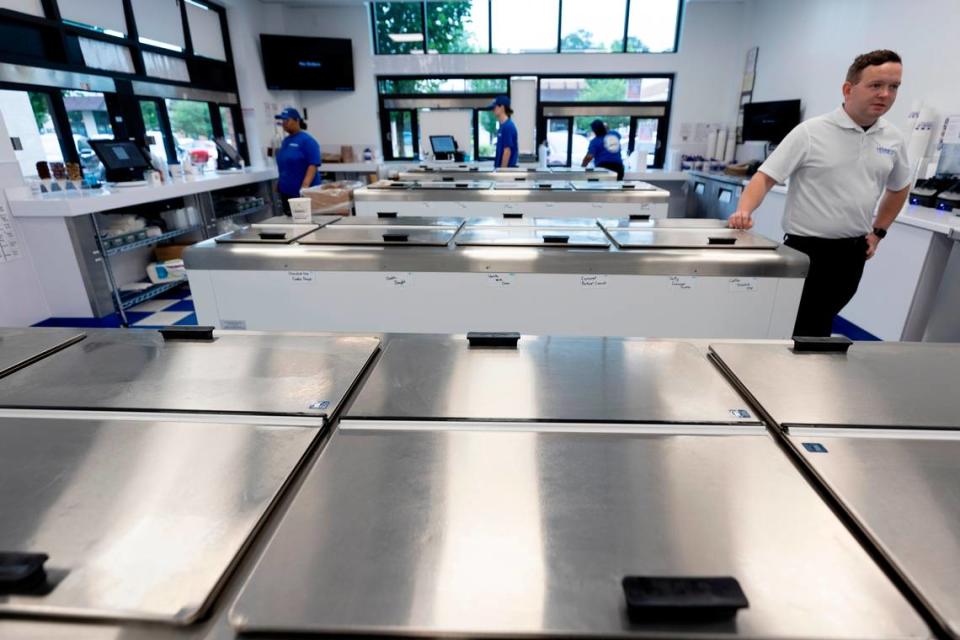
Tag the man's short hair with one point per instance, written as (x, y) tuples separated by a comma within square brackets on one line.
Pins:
[(872, 59)]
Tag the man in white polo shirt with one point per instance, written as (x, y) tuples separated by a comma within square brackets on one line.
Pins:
[(839, 165)]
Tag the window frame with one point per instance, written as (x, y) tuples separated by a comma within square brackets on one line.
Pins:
[(663, 127), (425, 50)]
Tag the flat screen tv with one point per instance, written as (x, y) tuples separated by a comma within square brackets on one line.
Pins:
[(770, 121), (307, 64)]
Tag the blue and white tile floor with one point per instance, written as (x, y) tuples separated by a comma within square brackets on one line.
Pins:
[(173, 307)]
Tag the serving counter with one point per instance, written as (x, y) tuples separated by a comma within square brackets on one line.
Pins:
[(452, 173)]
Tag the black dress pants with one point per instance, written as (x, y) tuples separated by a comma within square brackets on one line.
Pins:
[(836, 266), (613, 166)]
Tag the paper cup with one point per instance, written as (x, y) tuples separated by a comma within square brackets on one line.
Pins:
[(300, 209)]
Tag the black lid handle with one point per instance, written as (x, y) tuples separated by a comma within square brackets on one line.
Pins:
[(546, 185), (512, 216), (592, 179), (640, 216), (628, 186), (556, 239), (174, 332), (493, 339), (21, 572), (272, 235), (462, 185), (396, 237), (721, 240), (386, 214), (682, 599), (816, 344), (448, 179)]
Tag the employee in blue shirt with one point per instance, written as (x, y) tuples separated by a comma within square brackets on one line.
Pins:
[(507, 153), (298, 160), (604, 149)]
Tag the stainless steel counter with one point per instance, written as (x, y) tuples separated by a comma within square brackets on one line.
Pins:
[(481, 191), (21, 347), (476, 172)]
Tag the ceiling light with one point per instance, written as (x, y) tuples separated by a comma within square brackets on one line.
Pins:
[(406, 37)]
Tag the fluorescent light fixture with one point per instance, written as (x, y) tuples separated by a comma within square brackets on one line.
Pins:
[(162, 45), (404, 37), (197, 4)]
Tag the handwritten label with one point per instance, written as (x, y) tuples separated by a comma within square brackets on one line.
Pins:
[(500, 280), (398, 279), (594, 281), (683, 282), (743, 284), (301, 276)]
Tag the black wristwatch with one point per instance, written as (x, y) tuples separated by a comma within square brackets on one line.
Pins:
[(880, 233)]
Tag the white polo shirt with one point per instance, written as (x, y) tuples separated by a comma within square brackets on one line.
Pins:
[(837, 174)]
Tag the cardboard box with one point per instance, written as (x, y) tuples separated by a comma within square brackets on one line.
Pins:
[(169, 252), (331, 197)]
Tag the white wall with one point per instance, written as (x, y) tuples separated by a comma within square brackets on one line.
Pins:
[(708, 66), (806, 47), (21, 297)]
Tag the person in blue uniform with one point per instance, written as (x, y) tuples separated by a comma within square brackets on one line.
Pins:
[(604, 149), (507, 154), (298, 160)]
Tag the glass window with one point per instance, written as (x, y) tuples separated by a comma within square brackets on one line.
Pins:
[(398, 27), (159, 23), (652, 27), (583, 134), (487, 135), (28, 117), (401, 134), (192, 131), (89, 120), (156, 136), (645, 141), (206, 33), (229, 132), (443, 85), (31, 7), (592, 25), (104, 16), (529, 26), (160, 66), (458, 26), (106, 55), (604, 89)]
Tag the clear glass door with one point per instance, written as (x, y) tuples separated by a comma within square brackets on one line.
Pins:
[(401, 133), (645, 142), (29, 121), (559, 141)]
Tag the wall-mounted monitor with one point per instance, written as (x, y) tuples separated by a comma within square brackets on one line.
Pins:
[(307, 64), (770, 121)]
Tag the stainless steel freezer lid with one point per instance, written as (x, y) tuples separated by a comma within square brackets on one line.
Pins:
[(457, 185), (264, 234), (319, 220), (390, 184), (531, 221), (679, 238), (480, 533), (532, 237), (875, 384), (140, 520), (381, 236), (20, 347), (134, 370), (631, 185), (644, 221), (548, 379), (533, 185), (902, 491), (401, 221)]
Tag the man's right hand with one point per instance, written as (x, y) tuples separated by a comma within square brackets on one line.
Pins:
[(740, 220)]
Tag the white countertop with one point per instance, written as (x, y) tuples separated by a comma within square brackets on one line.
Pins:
[(930, 219), (66, 204), (350, 167), (657, 175)]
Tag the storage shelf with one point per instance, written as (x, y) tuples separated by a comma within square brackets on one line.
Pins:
[(131, 299), (146, 242), (243, 214)]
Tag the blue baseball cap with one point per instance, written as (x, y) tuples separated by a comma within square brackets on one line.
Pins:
[(500, 101), (288, 112)]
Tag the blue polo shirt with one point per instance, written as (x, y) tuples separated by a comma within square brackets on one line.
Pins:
[(600, 149), (297, 152), (507, 139)]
